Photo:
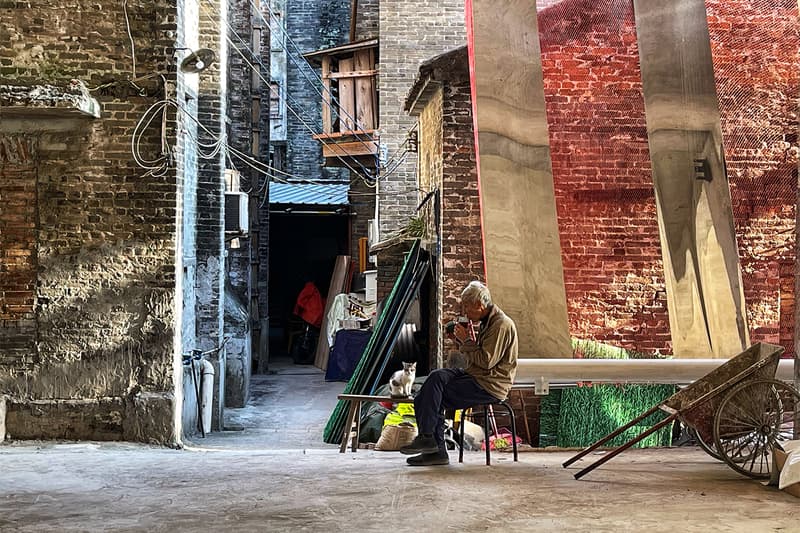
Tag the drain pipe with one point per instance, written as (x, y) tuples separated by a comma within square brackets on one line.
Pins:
[(207, 392)]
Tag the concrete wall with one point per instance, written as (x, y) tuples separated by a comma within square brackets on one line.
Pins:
[(92, 311)]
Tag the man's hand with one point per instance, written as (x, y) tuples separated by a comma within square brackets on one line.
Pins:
[(463, 332)]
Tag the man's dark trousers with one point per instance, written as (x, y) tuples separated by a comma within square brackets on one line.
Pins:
[(446, 388)]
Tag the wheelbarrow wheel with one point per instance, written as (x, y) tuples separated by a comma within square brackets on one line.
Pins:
[(751, 420), (707, 447)]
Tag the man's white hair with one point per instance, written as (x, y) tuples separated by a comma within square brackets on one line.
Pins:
[(476, 292)]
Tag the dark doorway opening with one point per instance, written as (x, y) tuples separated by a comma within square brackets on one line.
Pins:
[(303, 248)]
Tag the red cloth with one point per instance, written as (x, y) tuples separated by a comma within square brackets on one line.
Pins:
[(310, 306)]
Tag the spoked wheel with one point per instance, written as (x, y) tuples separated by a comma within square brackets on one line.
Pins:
[(707, 447), (751, 419)]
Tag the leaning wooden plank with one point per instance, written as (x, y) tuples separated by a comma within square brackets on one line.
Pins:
[(341, 268), (522, 251), (380, 342)]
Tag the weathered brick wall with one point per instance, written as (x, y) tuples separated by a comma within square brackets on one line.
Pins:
[(18, 259), (608, 226), (240, 128), (367, 19), (430, 181), (754, 46), (362, 209), (240, 74), (462, 240), (106, 232), (410, 32), (211, 110), (311, 25)]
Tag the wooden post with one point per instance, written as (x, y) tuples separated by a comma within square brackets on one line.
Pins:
[(326, 94), (353, 19)]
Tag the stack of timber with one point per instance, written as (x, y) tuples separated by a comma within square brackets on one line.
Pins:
[(340, 283), (366, 377)]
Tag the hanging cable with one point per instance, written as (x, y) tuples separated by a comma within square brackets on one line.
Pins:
[(293, 111), (304, 63)]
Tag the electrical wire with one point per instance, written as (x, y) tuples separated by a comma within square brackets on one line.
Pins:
[(331, 96), (258, 60)]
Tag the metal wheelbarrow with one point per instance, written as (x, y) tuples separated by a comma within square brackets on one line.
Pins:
[(739, 413)]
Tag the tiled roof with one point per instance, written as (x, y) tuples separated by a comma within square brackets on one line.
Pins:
[(308, 193)]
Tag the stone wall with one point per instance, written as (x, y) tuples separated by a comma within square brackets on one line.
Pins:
[(93, 238)]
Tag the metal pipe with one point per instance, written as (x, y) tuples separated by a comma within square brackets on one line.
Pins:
[(666, 371)]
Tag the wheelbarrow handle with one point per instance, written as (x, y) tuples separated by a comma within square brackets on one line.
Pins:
[(611, 436)]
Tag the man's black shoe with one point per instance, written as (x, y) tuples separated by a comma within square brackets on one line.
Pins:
[(429, 459), (421, 444)]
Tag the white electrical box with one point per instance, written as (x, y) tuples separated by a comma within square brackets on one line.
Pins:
[(371, 285), (236, 212)]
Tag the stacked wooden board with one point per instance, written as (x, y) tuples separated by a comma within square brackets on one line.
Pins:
[(367, 375)]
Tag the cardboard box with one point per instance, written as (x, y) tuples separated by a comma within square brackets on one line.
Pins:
[(780, 460)]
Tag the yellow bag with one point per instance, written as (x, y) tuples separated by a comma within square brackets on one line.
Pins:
[(403, 413)]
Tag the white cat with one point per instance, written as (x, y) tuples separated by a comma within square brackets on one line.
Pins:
[(401, 381)]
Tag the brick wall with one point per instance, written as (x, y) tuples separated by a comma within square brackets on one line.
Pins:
[(211, 110), (362, 209), (754, 47), (311, 25), (410, 33), (462, 240), (18, 259), (104, 303), (367, 19), (608, 226)]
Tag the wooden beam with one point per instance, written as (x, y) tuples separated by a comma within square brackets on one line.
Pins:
[(349, 149), (361, 72), (353, 19)]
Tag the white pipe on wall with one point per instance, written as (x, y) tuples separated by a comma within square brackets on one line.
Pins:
[(667, 371), (206, 393)]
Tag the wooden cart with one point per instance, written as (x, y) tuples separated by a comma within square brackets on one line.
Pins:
[(739, 413)]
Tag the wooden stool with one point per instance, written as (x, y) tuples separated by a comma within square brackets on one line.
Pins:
[(486, 409)]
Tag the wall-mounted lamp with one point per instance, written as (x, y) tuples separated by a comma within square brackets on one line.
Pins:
[(197, 61)]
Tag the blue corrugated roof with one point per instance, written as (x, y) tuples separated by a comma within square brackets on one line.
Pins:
[(308, 193)]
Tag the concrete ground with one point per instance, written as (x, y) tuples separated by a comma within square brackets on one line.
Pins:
[(276, 475)]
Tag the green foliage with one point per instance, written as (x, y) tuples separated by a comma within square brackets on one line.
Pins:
[(589, 413), (549, 406), (578, 417)]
